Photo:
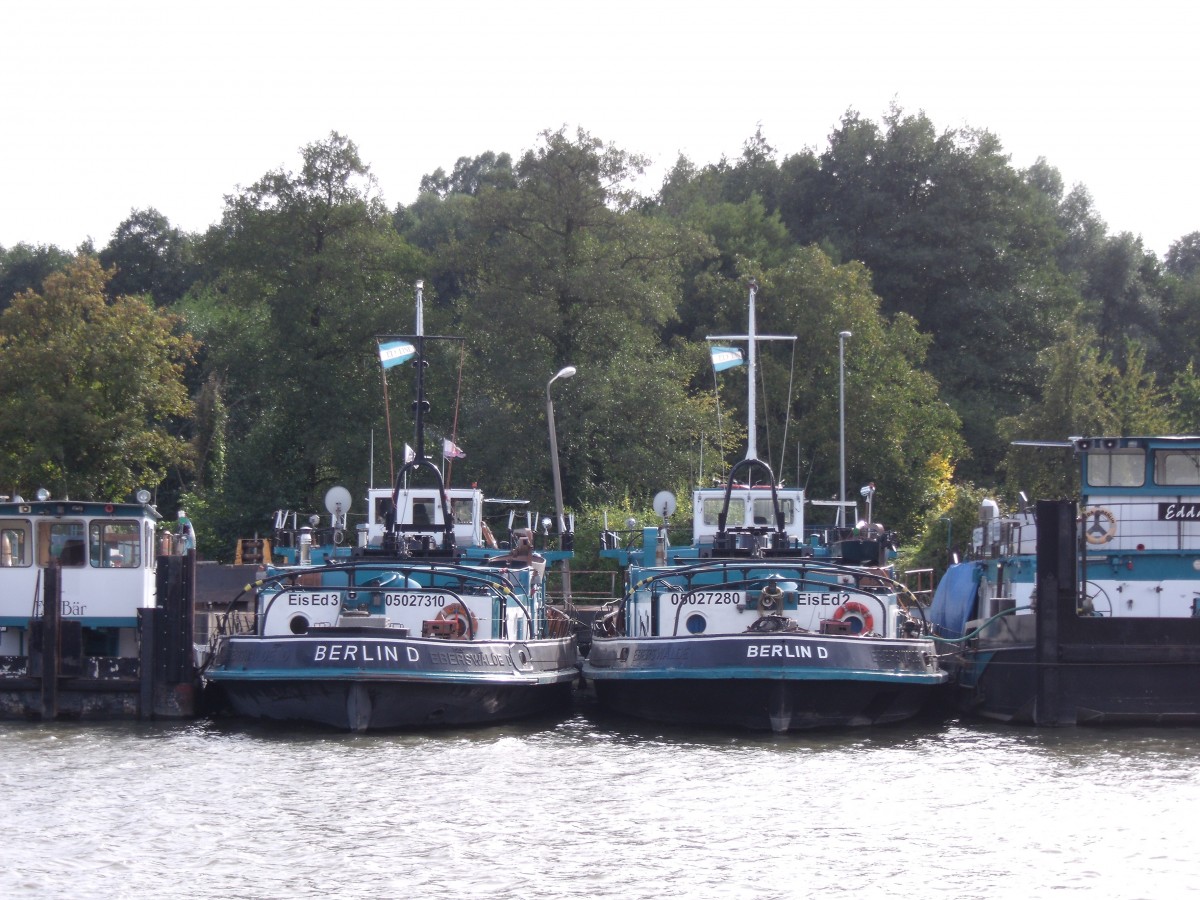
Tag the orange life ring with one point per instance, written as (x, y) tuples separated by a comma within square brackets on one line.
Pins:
[(466, 625), (858, 610)]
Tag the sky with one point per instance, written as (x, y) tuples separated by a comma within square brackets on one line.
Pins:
[(128, 105)]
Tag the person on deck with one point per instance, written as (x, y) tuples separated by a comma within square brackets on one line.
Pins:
[(185, 533)]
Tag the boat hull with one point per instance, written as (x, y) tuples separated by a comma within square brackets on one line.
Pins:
[(1099, 683), (1058, 659), (780, 683), (357, 681)]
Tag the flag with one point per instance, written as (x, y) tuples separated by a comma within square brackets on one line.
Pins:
[(451, 450), (392, 353), (725, 358), (410, 454)]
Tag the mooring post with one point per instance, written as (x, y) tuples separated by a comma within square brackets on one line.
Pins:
[(51, 645), (1056, 598), (173, 669), (146, 652)]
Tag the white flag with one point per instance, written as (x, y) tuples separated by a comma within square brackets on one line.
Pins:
[(409, 454), (451, 450)]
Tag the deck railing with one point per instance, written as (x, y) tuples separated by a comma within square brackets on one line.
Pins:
[(920, 583), (589, 587)]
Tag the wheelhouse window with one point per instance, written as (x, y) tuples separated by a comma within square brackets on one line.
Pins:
[(422, 510), (115, 545), (1177, 467), (764, 512), (1120, 468), (15, 545), (737, 511), (61, 542), (382, 505), (463, 510)]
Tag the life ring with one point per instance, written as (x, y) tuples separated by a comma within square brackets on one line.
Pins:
[(489, 539), (1096, 533), (854, 609), (466, 625)]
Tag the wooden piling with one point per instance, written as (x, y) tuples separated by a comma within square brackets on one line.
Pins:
[(50, 643)]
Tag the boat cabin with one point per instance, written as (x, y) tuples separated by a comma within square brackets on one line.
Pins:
[(106, 555), (419, 514), (1139, 533)]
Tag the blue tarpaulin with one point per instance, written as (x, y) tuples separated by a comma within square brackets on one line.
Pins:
[(954, 599)]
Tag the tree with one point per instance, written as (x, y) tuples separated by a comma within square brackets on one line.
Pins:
[(307, 271), (25, 267), (1084, 394), (149, 257), (93, 389), (899, 434), (953, 236), (1183, 256), (1122, 295), (562, 265)]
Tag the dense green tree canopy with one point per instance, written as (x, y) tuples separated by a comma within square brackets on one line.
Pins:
[(304, 272), (24, 268), (149, 256), (92, 388), (986, 304)]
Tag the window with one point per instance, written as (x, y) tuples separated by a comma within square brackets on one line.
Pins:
[(15, 545), (737, 512), (764, 512), (463, 510), (1177, 467), (1120, 468), (382, 505), (61, 542), (422, 511), (115, 545)]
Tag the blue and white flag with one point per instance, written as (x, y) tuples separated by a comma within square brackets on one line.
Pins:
[(392, 353), (725, 358)]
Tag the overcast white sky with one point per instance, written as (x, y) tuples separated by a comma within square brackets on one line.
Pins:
[(172, 104)]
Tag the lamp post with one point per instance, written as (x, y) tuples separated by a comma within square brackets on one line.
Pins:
[(565, 372), (842, 335)]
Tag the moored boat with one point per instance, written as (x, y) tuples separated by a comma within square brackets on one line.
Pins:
[(90, 627), (760, 622), (425, 619), (1084, 613)]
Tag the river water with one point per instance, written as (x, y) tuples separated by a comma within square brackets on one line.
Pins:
[(590, 806)]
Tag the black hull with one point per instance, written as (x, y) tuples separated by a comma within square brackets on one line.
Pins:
[(771, 682), (380, 705), (364, 679), (1060, 667), (1116, 685), (764, 704)]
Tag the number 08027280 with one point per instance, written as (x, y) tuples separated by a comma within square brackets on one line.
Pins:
[(710, 598)]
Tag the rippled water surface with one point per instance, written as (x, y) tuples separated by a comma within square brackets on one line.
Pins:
[(588, 806)]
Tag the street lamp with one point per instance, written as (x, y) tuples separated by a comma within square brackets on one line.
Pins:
[(565, 372), (842, 335)]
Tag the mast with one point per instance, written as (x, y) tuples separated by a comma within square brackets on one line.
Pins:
[(420, 404), (394, 529), (752, 337), (751, 369)]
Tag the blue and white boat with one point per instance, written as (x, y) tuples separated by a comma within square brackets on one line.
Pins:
[(1088, 612), (424, 619), (94, 565), (760, 622)]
